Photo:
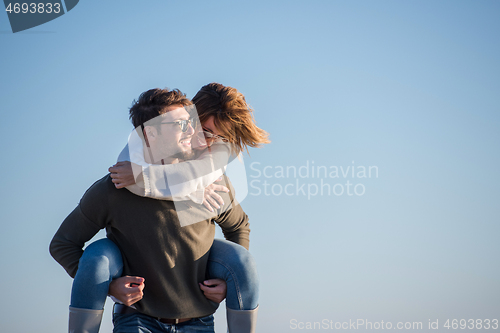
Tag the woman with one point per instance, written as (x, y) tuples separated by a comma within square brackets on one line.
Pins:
[(225, 117)]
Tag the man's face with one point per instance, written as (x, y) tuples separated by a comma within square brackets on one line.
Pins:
[(165, 136)]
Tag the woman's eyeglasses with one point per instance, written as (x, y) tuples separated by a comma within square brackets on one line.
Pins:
[(210, 137)]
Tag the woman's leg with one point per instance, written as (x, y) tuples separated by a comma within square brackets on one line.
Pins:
[(100, 263), (234, 264)]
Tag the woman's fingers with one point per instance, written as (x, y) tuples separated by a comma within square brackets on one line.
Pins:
[(211, 201), (206, 204), (211, 198), (220, 188), (217, 198)]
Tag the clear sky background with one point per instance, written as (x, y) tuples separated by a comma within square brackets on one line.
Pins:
[(410, 87)]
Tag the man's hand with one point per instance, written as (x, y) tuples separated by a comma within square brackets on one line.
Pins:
[(122, 174), (127, 289), (214, 290)]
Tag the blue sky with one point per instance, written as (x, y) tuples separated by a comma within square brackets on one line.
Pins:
[(410, 87)]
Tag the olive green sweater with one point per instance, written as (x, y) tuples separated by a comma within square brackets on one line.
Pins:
[(171, 258)]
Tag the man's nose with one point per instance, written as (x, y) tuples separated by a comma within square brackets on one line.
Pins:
[(190, 130)]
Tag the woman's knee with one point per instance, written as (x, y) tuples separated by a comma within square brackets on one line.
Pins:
[(102, 256), (234, 256)]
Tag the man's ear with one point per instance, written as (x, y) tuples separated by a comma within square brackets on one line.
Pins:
[(150, 134)]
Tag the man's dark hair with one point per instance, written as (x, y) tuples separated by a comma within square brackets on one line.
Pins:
[(153, 102)]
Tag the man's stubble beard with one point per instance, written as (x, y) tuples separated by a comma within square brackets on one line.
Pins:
[(180, 154), (185, 155)]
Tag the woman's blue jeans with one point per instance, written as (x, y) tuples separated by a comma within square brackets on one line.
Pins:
[(102, 262)]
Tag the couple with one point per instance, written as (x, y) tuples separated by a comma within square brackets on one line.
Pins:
[(160, 263)]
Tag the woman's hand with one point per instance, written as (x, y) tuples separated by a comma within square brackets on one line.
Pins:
[(127, 289), (211, 198), (214, 290), (122, 174)]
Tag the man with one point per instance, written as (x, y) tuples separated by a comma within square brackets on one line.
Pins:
[(164, 259)]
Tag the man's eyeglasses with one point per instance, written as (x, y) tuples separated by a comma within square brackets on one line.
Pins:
[(184, 123)]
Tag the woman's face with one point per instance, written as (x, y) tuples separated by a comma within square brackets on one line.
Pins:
[(198, 141)]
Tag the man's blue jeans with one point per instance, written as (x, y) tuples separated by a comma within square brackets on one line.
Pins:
[(101, 262), (139, 323)]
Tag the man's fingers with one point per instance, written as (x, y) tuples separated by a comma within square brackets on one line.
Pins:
[(141, 287), (118, 167), (203, 287), (132, 280), (135, 279), (113, 169), (212, 285), (214, 291), (210, 290), (134, 291), (119, 164), (117, 182), (213, 282), (133, 300), (127, 289)]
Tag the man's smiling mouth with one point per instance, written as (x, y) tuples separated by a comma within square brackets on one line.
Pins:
[(186, 141)]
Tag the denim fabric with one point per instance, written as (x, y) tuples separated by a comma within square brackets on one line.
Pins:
[(139, 323), (101, 262), (235, 265)]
